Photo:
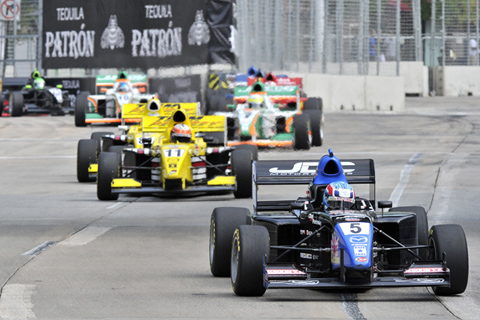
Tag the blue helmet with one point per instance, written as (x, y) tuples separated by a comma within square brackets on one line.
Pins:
[(338, 196), (123, 87)]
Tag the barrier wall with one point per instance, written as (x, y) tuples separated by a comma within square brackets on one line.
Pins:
[(454, 81), (356, 93)]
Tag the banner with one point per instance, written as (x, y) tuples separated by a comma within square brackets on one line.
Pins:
[(221, 16), (181, 89), (124, 33)]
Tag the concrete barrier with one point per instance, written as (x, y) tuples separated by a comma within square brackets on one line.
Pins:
[(355, 93), (458, 81)]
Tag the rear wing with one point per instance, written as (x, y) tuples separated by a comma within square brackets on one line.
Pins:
[(137, 110), (199, 123), (290, 172), (138, 81)]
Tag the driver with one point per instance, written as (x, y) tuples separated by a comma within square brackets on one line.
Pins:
[(123, 87), (181, 133), (256, 101), (338, 196), (36, 80)]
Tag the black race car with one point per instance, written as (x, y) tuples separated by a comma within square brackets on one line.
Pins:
[(41, 99), (299, 244)]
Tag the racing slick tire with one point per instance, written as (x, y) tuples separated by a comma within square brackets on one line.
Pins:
[(422, 226), (118, 150), (223, 223), (250, 147), (316, 125), (242, 170), (450, 239), (16, 104), (81, 106), (313, 104), (87, 153), (103, 145), (301, 129), (2, 105), (108, 169), (247, 264)]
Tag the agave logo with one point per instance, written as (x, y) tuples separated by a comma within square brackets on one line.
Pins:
[(199, 32), (112, 36)]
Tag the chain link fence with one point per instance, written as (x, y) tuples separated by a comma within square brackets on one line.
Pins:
[(347, 37), (19, 53), (455, 35)]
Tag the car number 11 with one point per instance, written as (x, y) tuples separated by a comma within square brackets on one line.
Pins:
[(176, 153)]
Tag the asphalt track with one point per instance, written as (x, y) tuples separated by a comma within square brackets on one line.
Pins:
[(66, 255)]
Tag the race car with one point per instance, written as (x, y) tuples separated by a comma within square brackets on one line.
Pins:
[(274, 116), (301, 243), (113, 92), (164, 166), (89, 149), (37, 98)]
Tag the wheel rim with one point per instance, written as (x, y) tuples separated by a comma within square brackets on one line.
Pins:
[(10, 104), (234, 260), (212, 242)]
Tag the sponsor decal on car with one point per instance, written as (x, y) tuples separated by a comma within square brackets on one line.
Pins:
[(361, 259), (425, 270), (358, 239), (360, 250), (284, 271)]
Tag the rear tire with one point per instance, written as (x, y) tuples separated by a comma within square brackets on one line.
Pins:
[(249, 147), (16, 104), (450, 238), (223, 223), (316, 125), (313, 104), (422, 226), (301, 130), (242, 170), (81, 107), (103, 145), (86, 155), (247, 265), (108, 169)]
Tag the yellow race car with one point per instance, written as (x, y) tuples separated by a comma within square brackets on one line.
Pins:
[(89, 149), (175, 155)]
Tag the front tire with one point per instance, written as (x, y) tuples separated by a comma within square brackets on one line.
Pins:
[(16, 104), (450, 238), (86, 155), (242, 170), (223, 223), (250, 251), (108, 169)]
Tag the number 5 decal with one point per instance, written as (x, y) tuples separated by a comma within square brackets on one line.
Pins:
[(349, 228)]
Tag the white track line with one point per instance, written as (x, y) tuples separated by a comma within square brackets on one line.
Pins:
[(16, 301), (404, 177), (85, 236)]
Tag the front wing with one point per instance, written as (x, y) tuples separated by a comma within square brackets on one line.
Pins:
[(191, 190), (419, 274)]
